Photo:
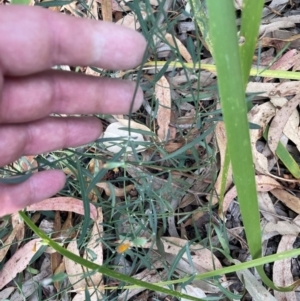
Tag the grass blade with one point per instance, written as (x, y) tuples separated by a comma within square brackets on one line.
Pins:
[(251, 16), (232, 93), (101, 269)]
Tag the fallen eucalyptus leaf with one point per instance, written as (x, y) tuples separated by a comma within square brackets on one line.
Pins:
[(280, 120), (253, 286), (163, 96), (115, 130), (282, 274), (263, 184)]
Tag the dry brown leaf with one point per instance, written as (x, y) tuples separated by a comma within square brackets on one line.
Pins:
[(254, 287), (288, 199), (280, 120), (177, 44), (263, 184), (274, 7), (292, 17), (222, 144), (131, 21), (163, 96), (90, 71), (172, 130), (67, 230), (4, 294), (76, 272), (133, 125), (19, 261), (56, 257), (73, 269), (286, 62), (27, 163), (57, 224), (115, 131), (266, 28), (279, 42), (195, 216), (282, 89), (95, 165), (64, 204), (60, 269), (54, 8), (171, 147), (184, 267), (117, 117), (30, 287), (17, 222), (296, 66), (120, 192), (266, 57), (173, 245), (260, 115), (72, 8), (93, 9), (291, 129), (282, 228), (7, 243), (118, 6), (148, 276), (106, 9), (266, 205), (282, 275), (96, 246), (193, 291), (203, 259)]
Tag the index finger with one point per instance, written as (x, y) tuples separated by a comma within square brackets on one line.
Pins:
[(33, 39)]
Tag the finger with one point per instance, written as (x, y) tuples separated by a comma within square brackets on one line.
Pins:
[(36, 96), (46, 135), (33, 39), (38, 187)]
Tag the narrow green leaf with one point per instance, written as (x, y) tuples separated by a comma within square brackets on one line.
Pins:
[(101, 269), (251, 16), (155, 287), (54, 3), (200, 15), (20, 2), (232, 93), (16, 179), (209, 67), (285, 157), (231, 88), (288, 161), (86, 205)]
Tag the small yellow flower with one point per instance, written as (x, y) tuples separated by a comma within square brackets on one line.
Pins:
[(116, 170), (123, 247)]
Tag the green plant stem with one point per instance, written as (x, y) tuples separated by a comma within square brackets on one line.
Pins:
[(137, 283), (212, 68), (232, 93), (98, 268)]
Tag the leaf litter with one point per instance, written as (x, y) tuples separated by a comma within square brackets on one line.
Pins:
[(168, 194)]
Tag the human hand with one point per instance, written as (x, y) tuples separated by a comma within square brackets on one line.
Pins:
[(32, 40)]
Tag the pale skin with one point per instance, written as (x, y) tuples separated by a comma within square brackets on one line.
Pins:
[(32, 40)]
